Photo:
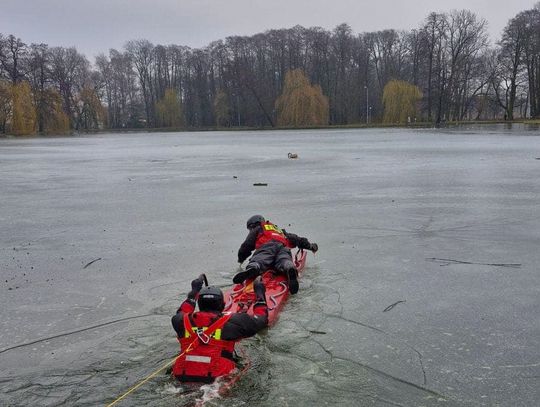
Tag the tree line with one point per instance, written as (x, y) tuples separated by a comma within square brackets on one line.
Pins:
[(444, 70)]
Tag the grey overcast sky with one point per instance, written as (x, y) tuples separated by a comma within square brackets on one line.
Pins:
[(94, 26)]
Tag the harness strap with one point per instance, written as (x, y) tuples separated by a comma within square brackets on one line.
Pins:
[(205, 335)]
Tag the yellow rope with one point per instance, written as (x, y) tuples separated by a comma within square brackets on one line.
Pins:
[(132, 389)]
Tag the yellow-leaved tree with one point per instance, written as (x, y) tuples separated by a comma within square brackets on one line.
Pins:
[(6, 101), (301, 104), (400, 100), (92, 113), (55, 120), (23, 120), (169, 110)]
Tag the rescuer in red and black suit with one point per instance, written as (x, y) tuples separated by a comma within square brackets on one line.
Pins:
[(272, 247), (207, 337)]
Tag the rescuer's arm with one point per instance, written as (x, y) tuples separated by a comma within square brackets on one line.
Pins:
[(248, 245), (301, 242), (188, 306)]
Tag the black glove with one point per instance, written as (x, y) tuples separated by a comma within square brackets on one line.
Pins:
[(260, 289), (303, 243), (196, 286), (314, 247)]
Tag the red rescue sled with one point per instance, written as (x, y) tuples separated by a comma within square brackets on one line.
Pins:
[(241, 297)]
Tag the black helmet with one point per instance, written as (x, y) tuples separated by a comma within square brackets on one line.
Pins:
[(211, 299), (254, 221)]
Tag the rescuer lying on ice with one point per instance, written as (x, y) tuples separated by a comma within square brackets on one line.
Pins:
[(207, 337), (272, 247)]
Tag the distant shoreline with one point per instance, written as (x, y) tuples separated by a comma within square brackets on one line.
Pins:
[(417, 125)]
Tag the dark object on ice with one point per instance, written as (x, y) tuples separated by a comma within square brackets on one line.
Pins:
[(447, 262), (92, 262), (260, 184), (292, 155), (392, 306), (235, 177), (537, 158)]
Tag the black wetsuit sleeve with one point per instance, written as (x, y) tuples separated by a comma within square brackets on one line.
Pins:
[(297, 241), (187, 307), (178, 324), (248, 245), (243, 326)]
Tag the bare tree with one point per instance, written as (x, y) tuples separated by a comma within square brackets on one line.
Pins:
[(142, 54), (69, 73), (13, 53), (432, 62), (530, 21), (39, 76), (509, 65)]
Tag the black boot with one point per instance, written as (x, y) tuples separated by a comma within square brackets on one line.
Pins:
[(249, 273), (292, 279)]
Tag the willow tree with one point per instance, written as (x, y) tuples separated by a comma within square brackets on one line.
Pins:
[(169, 110), (6, 100), (55, 120), (92, 113), (24, 117), (301, 104), (400, 100)]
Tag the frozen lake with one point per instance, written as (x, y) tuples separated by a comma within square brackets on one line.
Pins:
[(101, 235)]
